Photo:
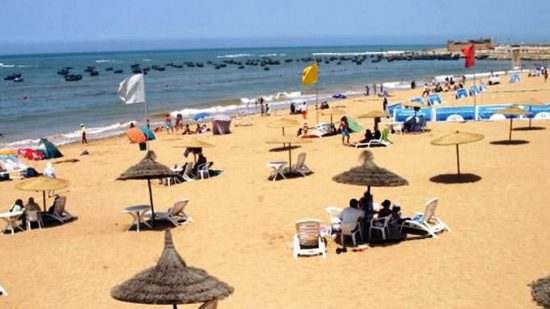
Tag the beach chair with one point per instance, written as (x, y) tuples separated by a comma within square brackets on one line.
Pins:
[(426, 221), (188, 172), (300, 165), (435, 99), (418, 100), (350, 229), (33, 216), (3, 291), (174, 215), (514, 79), (380, 224), (334, 218), (203, 170), (59, 213), (308, 239), (474, 90), (382, 141), (461, 94), (213, 304)]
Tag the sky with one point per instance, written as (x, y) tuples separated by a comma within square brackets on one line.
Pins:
[(28, 26)]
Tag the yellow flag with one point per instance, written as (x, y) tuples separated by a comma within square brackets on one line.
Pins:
[(309, 77)]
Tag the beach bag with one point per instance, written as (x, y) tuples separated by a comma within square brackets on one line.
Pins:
[(4, 176), (30, 172)]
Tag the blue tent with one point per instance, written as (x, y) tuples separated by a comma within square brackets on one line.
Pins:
[(200, 116)]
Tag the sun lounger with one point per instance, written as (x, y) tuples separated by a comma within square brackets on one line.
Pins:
[(426, 221), (3, 291), (382, 141), (461, 93), (308, 239), (188, 172), (176, 214), (434, 99), (300, 165), (59, 213)]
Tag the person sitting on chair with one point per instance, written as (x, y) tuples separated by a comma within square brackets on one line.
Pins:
[(17, 206), (352, 213), (377, 134), (51, 209), (368, 136), (385, 211), (31, 205), (200, 161)]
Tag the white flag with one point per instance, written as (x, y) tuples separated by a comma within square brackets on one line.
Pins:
[(132, 89)]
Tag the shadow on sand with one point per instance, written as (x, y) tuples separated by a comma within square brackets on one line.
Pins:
[(455, 178), (512, 142), (280, 149), (529, 129)]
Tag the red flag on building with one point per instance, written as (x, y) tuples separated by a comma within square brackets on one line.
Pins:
[(469, 53)]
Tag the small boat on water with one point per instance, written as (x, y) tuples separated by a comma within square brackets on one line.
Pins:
[(89, 69), (73, 77), (18, 79), (64, 71), (117, 71), (109, 69), (12, 76), (94, 72), (158, 67)]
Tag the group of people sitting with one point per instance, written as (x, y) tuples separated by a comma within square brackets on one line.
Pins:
[(30, 206), (199, 129), (362, 211)]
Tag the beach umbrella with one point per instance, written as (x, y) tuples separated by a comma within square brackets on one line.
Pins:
[(512, 111), (333, 112), (195, 146), (148, 169), (171, 282), (148, 133), (288, 140), (369, 174), (415, 105), (282, 123), (457, 138), (8, 152), (540, 290), (30, 154), (532, 102), (42, 184), (376, 115), (136, 136)]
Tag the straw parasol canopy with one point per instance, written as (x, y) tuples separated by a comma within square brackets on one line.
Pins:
[(195, 143), (413, 104), (532, 102), (457, 138), (171, 282), (540, 290), (148, 169), (283, 123), (42, 184), (376, 115), (288, 140), (333, 112), (512, 111), (369, 174)]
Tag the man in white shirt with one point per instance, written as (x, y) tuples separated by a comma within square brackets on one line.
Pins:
[(352, 213)]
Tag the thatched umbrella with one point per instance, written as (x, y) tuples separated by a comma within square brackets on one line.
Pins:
[(512, 111), (456, 139), (415, 105), (333, 112), (371, 175), (171, 282), (195, 143), (532, 102), (283, 122), (376, 115), (42, 184), (540, 290), (148, 169), (288, 140)]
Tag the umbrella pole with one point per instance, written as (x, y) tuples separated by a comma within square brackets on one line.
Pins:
[(151, 201), (44, 199), (283, 131), (457, 159), (289, 157), (510, 135), (175, 306)]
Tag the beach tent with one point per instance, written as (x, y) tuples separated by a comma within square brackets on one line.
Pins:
[(221, 124), (435, 99), (461, 93), (353, 125), (48, 149)]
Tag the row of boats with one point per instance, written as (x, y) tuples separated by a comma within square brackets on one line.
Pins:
[(15, 77)]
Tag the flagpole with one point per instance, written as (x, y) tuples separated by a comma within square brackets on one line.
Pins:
[(317, 101), (475, 98), (146, 113)]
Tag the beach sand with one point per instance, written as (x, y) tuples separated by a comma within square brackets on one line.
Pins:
[(243, 224)]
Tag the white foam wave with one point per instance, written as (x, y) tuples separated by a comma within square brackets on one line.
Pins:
[(146, 59), (2, 65), (105, 60), (24, 66), (235, 56), (273, 55)]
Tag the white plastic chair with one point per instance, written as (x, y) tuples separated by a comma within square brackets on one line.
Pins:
[(334, 218), (350, 229), (300, 165), (203, 170), (427, 221), (381, 225), (175, 214), (3, 291), (188, 172), (308, 239), (33, 216)]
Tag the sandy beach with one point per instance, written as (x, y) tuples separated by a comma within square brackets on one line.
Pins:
[(243, 224)]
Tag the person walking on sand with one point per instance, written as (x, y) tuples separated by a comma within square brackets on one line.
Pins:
[(84, 139), (261, 101), (168, 124), (545, 74), (344, 130)]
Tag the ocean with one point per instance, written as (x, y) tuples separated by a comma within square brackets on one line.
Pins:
[(45, 105)]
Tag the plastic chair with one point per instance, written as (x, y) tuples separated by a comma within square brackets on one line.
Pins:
[(350, 229), (203, 170), (34, 216), (334, 218), (381, 225)]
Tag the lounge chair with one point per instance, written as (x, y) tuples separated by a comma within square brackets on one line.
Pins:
[(461, 93), (308, 239), (59, 213), (3, 291), (175, 214), (426, 221), (434, 99), (300, 165), (382, 141), (474, 90)]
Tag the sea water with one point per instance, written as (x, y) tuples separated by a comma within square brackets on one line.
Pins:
[(45, 105)]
